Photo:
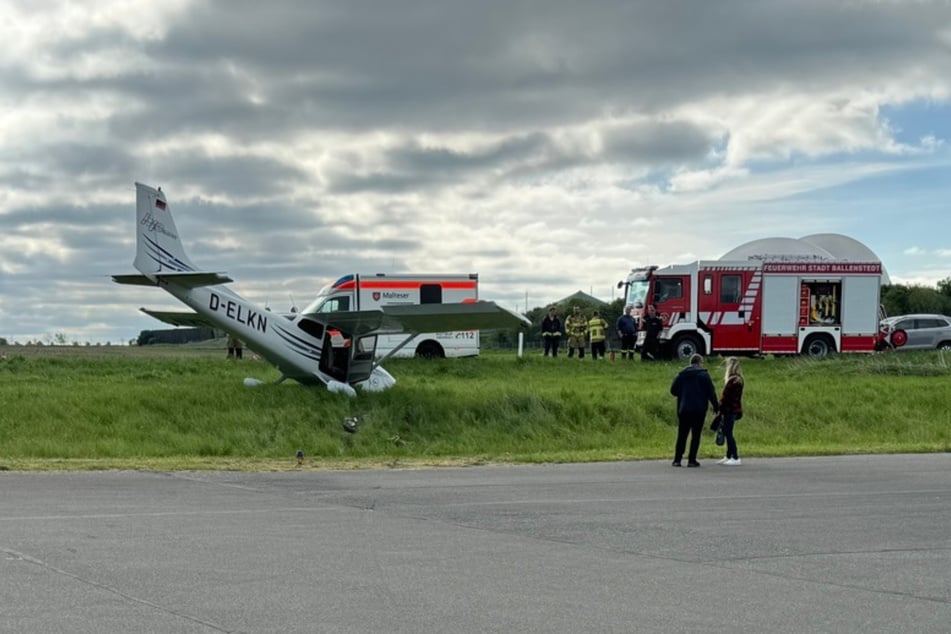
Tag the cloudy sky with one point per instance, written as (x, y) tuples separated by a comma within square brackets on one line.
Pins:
[(547, 145)]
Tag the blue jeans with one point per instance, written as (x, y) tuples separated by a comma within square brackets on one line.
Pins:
[(729, 420)]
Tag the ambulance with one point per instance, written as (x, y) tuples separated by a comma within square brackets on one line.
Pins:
[(356, 292)]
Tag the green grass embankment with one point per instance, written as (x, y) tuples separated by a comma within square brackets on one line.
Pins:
[(133, 410)]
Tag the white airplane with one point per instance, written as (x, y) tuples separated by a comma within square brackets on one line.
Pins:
[(335, 349)]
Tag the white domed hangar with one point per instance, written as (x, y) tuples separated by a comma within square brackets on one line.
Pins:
[(826, 246)]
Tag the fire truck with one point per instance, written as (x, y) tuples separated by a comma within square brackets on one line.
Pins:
[(368, 291), (782, 305)]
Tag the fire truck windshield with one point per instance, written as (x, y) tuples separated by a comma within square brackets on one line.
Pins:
[(637, 292)]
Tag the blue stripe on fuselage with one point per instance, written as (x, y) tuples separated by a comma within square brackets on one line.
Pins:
[(163, 257), (301, 346)]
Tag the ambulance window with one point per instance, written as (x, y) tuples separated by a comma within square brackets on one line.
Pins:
[(707, 284), (335, 305), (430, 294), (730, 289)]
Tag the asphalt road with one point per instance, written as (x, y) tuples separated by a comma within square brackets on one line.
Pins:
[(844, 544)]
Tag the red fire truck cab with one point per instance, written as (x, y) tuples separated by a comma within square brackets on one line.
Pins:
[(781, 306)]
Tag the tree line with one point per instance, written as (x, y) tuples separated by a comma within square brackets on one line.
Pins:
[(899, 299), (896, 299)]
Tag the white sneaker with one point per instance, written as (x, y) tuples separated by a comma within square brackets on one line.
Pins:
[(723, 460), (732, 463)]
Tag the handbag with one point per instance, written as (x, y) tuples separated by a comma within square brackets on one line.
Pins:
[(716, 422), (720, 438)]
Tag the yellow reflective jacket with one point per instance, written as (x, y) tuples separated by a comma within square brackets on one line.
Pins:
[(597, 328), (576, 326)]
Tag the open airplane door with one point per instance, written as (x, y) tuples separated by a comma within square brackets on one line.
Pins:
[(348, 358), (362, 353), (350, 337), (349, 345)]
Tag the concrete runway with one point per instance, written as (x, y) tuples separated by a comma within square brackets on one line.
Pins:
[(844, 544)]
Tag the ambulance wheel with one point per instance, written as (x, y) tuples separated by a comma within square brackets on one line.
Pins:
[(430, 350), (685, 346), (818, 346)]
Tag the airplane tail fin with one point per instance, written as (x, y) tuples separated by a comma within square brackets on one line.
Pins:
[(158, 247)]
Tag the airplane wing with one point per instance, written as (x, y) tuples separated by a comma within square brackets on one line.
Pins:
[(443, 317), (194, 279), (136, 279), (424, 318), (179, 318), (190, 279), (357, 322), (389, 319)]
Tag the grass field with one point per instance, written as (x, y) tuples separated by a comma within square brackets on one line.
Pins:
[(187, 408)]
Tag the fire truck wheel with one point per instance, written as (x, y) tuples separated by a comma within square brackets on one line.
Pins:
[(818, 346), (685, 346), (430, 350), (899, 338)]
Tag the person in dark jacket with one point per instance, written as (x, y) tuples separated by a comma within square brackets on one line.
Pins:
[(693, 388), (731, 406), (551, 332), (627, 328), (652, 325)]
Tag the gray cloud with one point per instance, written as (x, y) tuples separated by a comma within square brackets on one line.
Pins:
[(476, 65), (671, 143), (458, 64)]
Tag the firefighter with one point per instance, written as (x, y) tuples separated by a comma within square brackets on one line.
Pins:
[(651, 324), (576, 326), (597, 331), (627, 328), (551, 332)]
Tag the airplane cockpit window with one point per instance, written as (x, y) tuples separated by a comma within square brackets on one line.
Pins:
[(312, 328)]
